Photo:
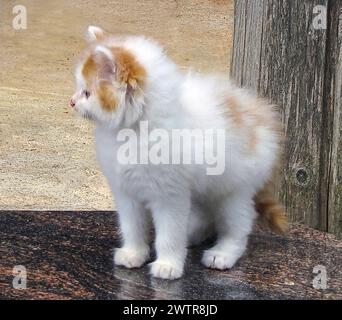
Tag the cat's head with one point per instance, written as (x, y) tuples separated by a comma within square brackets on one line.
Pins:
[(109, 80)]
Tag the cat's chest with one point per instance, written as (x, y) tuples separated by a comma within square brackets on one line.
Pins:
[(140, 181), (120, 165)]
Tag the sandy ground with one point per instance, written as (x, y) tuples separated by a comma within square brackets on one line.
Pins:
[(47, 159)]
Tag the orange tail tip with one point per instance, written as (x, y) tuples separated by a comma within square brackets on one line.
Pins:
[(271, 212)]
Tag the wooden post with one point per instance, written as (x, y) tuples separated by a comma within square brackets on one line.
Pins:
[(290, 52)]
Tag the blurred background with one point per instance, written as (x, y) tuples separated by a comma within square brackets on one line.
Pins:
[(47, 161)]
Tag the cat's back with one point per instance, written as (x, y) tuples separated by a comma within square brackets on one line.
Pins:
[(201, 98), (251, 124), (215, 102)]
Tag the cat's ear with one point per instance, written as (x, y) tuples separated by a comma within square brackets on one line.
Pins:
[(120, 67), (105, 64), (95, 34)]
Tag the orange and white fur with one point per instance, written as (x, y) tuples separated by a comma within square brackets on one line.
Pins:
[(123, 80)]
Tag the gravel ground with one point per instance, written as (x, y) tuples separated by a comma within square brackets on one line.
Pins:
[(46, 152)]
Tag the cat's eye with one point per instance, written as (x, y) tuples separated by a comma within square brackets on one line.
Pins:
[(86, 93)]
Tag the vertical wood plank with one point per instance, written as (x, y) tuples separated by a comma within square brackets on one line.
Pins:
[(333, 107), (290, 71), (253, 39), (247, 43), (292, 76), (238, 41)]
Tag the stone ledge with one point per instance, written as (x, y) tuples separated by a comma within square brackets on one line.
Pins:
[(68, 255)]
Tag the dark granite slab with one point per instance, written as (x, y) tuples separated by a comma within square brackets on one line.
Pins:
[(68, 255)]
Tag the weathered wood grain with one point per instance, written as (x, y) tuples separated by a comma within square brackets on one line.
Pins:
[(247, 43), (333, 108), (279, 53), (239, 41)]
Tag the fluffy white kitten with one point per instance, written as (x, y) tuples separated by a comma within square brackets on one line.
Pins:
[(122, 81)]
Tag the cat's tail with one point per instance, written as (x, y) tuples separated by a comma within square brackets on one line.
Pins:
[(271, 211)]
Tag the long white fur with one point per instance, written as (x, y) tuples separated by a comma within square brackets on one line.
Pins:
[(184, 204)]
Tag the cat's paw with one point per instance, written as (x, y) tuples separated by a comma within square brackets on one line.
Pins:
[(218, 260), (166, 270), (130, 258)]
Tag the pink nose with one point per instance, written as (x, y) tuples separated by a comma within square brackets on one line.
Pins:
[(72, 103)]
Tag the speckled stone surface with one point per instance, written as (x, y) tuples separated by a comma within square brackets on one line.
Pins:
[(68, 255)]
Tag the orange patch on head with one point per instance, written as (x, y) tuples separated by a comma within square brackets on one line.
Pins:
[(89, 71), (104, 91), (129, 70), (126, 70), (107, 97)]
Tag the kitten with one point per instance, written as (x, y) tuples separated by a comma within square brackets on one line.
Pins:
[(122, 81)]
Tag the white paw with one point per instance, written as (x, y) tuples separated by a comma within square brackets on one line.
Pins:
[(130, 258), (166, 270), (218, 260)]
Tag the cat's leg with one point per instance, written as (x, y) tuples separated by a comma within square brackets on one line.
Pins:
[(134, 225), (234, 223), (200, 225), (170, 218)]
